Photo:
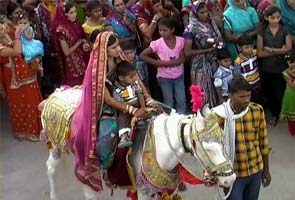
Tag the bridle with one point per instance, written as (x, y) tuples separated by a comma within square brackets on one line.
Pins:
[(224, 169)]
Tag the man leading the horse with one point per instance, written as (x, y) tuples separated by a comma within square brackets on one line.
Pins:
[(246, 140)]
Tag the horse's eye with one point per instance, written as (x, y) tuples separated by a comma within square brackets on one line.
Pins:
[(208, 150)]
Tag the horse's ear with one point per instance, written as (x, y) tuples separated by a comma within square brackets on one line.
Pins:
[(206, 110)]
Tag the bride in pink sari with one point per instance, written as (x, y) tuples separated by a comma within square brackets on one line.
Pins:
[(71, 44), (96, 96)]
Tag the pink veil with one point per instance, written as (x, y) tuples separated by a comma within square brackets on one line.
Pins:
[(84, 123)]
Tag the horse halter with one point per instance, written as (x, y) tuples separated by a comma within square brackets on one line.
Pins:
[(191, 142), (211, 133)]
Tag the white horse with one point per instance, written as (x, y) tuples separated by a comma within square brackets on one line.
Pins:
[(174, 137)]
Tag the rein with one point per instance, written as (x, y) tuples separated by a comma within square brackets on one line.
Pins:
[(213, 169), (221, 193), (217, 170), (223, 165)]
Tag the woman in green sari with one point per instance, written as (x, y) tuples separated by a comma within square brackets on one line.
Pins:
[(239, 18), (288, 14)]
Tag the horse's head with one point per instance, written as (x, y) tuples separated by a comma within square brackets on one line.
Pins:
[(208, 146)]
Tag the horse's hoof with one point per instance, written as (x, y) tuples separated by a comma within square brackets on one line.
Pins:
[(53, 197)]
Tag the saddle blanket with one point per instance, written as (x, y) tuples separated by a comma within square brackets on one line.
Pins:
[(57, 115)]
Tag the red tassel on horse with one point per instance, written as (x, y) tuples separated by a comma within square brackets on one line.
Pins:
[(197, 97)]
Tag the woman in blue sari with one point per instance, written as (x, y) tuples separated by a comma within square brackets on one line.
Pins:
[(239, 18), (121, 20), (288, 15)]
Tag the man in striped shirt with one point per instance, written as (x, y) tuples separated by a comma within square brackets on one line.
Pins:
[(246, 140)]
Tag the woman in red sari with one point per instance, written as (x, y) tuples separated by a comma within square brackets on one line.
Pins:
[(70, 42), (150, 12), (19, 81), (13, 10), (216, 9)]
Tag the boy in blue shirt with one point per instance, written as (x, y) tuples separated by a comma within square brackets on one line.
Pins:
[(224, 74)]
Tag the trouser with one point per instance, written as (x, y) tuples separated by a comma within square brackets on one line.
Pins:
[(246, 188), (174, 89), (256, 96), (274, 87)]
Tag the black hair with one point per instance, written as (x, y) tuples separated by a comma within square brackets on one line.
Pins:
[(113, 2), (112, 40), (222, 54), (93, 4), (245, 40), (128, 45), (94, 34), (124, 68), (237, 84), (156, 1), (68, 6), (270, 10), (167, 22), (201, 6), (11, 6)]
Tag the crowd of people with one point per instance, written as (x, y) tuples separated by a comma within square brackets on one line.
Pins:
[(127, 53)]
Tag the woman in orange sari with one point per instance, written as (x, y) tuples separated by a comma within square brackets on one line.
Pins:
[(19, 81)]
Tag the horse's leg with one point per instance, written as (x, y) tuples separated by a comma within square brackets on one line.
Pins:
[(89, 194), (136, 156), (52, 163)]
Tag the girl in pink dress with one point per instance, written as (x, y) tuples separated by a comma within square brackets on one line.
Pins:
[(169, 50)]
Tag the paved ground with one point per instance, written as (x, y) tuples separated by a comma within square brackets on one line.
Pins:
[(23, 171)]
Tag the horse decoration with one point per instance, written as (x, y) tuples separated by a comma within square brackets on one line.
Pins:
[(58, 110), (157, 150)]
